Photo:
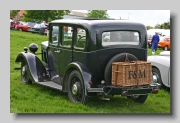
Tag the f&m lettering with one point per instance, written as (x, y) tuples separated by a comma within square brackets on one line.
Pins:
[(134, 74)]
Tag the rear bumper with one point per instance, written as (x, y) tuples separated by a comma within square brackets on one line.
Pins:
[(126, 91)]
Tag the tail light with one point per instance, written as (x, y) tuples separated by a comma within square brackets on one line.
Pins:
[(90, 82), (155, 91)]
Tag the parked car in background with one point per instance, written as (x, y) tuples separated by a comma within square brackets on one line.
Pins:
[(164, 43), (37, 29), (12, 25), (23, 26), (30, 26), (82, 65), (161, 68), (18, 24)]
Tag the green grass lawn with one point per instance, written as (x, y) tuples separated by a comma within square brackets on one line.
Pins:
[(39, 99)]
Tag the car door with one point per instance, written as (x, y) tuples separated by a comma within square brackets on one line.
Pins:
[(65, 47), (54, 51)]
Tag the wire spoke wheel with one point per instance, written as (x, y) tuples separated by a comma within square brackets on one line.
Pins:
[(76, 91), (24, 74)]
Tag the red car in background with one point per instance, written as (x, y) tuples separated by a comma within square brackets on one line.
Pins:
[(13, 24), (22, 26)]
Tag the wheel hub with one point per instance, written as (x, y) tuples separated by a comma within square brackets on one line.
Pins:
[(23, 70), (75, 89), (155, 78)]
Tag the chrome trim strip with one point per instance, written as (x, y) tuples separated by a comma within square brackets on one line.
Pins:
[(95, 90)]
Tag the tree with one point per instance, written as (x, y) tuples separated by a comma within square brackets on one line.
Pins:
[(97, 14), (13, 13), (158, 26), (165, 25), (149, 27), (46, 15)]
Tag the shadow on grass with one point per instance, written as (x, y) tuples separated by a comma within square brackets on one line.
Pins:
[(50, 91), (95, 102)]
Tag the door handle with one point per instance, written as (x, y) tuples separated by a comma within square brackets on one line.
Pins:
[(57, 51)]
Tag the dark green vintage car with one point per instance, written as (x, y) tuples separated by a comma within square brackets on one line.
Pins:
[(78, 58)]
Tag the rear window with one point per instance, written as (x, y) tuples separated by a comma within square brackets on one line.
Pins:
[(120, 37)]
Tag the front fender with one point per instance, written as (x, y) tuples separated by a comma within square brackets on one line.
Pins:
[(34, 64), (86, 75)]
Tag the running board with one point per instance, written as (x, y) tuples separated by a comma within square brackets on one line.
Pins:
[(51, 84)]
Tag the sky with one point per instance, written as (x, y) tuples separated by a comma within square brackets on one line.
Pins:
[(147, 17)]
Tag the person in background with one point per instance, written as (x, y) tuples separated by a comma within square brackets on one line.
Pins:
[(43, 25), (66, 32), (154, 42)]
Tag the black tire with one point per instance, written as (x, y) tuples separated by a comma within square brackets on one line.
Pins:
[(24, 73), (117, 58), (156, 72), (138, 98), (76, 90)]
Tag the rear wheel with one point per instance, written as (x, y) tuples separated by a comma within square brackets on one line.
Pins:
[(24, 74), (76, 91), (138, 98), (165, 48)]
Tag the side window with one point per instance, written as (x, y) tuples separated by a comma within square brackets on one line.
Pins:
[(54, 35), (81, 38), (67, 35)]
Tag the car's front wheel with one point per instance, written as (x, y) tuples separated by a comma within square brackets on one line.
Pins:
[(157, 76), (76, 91), (138, 98), (24, 74)]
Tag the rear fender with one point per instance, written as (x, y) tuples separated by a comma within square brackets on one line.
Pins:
[(37, 72), (86, 75)]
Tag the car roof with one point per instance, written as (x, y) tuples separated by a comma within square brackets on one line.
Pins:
[(97, 22)]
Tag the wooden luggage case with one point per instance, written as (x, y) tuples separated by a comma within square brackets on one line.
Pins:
[(133, 73)]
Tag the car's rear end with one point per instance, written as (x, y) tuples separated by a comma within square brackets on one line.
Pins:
[(126, 42)]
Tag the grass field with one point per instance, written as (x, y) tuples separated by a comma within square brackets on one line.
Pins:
[(39, 99)]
